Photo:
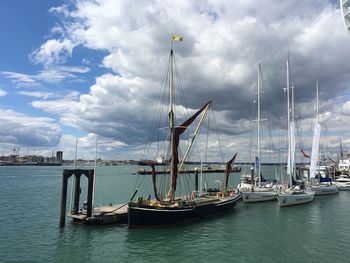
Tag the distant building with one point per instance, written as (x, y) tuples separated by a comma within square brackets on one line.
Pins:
[(59, 156)]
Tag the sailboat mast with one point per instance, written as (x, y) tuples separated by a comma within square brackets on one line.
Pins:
[(292, 109), (258, 163), (317, 121), (289, 132), (171, 89), (317, 102), (173, 148)]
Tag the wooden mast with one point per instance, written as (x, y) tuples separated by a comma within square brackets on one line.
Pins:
[(173, 164)]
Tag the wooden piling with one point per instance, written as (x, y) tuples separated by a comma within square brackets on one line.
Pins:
[(64, 198), (77, 174), (76, 197), (90, 192)]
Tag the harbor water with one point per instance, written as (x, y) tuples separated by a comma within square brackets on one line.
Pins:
[(262, 232)]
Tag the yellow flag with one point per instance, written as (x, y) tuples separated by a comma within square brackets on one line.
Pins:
[(176, 38)]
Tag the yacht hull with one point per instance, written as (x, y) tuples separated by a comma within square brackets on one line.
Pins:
[(148, 216), (325, 189), (286, 199), (343, 187), (252, 197)]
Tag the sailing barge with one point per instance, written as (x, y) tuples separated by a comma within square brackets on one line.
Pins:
[(168, 209)]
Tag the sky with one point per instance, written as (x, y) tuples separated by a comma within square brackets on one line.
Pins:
[(81, 69)]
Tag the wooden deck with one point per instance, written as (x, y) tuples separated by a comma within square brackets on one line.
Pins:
[(113, 214)]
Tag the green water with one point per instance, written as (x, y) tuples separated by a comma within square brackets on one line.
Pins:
[(30, 199)]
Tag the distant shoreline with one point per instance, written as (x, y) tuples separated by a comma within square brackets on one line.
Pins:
[(119, 163), (30, 164)]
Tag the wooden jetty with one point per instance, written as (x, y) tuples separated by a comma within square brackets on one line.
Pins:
[(112, 214)]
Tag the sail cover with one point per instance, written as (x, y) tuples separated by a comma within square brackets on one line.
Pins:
[(291, 152), (315, 148)]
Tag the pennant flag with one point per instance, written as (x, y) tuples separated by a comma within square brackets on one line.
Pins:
[(176, 38), (305, 154), (257, 163), (341, 149)]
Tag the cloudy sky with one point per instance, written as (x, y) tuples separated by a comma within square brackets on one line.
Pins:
[(79, 68)]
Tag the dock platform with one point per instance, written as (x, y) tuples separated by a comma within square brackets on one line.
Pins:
[(113, 214)]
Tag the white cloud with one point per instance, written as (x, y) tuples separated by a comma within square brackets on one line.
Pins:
[(223, 43), (345, 108), (2, 92), (53, 74), (53, 51), (73, 69), (26, 130), (60, 10), (18, 77), (36, 94)]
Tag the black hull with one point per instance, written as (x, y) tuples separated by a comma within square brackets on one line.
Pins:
[(153, 217)]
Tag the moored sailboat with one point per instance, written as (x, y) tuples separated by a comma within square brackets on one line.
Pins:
[(173, 209), (257, 191), (294, 194), (321, 186)]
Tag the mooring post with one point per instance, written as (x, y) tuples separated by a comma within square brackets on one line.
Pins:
[(90, 192), (196, 180), (64, 198), (76, 199), (252, 177)]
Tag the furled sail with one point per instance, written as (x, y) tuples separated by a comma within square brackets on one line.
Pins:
[(175, 144), (315, 149), (291, 152), (228, 170), (154, 182)]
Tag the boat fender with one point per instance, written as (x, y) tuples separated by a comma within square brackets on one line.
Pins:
[(194, 194)]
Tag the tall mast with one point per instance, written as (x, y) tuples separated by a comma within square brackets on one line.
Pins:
[(292, 107), (258, 168), (288, 124), (317, 121), (173, 149), (171, 118), (317, 103), (171, 88)]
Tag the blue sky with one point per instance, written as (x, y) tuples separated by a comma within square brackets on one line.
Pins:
[(85, 68)]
